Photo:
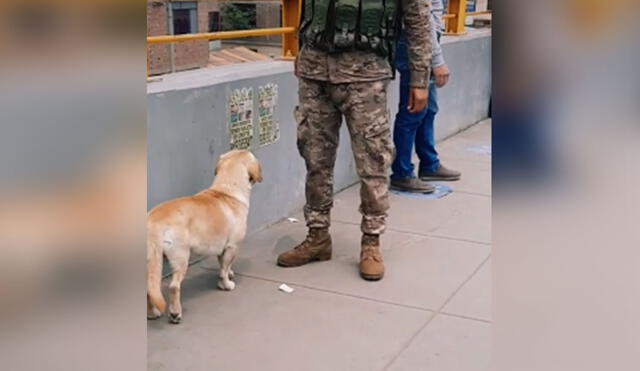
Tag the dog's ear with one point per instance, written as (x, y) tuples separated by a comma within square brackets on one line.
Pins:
[(255, 172)]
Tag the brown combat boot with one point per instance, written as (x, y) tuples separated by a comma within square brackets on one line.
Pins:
[(371, 264), (316, 247)]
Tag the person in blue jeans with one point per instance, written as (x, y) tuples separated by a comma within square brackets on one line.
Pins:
[(418, 128)]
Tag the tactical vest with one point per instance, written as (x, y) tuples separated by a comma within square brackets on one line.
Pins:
[(343, 25)]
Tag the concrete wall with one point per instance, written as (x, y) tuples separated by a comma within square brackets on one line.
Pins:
[(187, 128)]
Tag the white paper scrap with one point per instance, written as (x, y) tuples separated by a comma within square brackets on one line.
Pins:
[(293, 220), (285, 288)]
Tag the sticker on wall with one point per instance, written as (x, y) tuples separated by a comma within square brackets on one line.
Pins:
[(241, 118), (268, 127)]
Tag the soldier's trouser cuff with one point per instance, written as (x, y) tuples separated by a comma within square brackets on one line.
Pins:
[(317, 218), (373, 224)]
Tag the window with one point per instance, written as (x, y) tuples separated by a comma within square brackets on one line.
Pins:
[(214, 21), (471, 5), (185, 17)]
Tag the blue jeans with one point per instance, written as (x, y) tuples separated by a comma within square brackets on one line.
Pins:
[(413, 128)]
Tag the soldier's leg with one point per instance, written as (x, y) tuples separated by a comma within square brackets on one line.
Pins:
[(365, 108), (318, 136)]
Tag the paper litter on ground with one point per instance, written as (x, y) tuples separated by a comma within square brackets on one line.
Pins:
[(285, 288), (293, 220)]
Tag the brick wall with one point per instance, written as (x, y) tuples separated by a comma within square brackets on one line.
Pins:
[(204, 7), (188, 54), (158, 56)]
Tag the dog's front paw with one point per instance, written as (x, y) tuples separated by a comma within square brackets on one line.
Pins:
[(226, 285), (154, 314), (175, 318), (231, 273)]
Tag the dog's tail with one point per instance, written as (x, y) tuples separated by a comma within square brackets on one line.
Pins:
[(154, 274)]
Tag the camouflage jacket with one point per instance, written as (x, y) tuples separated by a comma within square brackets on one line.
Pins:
[(359, 66)]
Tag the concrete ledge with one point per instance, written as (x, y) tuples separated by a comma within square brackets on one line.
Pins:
[(205, 77)]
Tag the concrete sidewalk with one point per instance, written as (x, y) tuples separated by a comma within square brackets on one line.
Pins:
[(432, 311)]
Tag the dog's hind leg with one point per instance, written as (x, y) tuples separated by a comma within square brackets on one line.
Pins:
[(231, 274), (179, 263), (226, 260)]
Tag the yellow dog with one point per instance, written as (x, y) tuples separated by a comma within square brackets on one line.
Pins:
[(212, 222)]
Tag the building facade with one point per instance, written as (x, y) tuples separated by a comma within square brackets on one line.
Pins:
[(165, 17)]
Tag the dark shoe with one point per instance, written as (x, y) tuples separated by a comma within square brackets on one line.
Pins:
[(316, 247), (371, 264), (413, 185), (442, 174)]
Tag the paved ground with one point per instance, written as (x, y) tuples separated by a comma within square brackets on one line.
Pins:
[(431, 312)]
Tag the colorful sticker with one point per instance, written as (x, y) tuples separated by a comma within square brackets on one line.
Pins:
[(268, 127), (241, 118)]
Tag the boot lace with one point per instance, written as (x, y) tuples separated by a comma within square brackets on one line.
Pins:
[(304, 243), (312, 235), (371, 248)]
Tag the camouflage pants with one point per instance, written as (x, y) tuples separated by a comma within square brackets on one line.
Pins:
[(319, 116)]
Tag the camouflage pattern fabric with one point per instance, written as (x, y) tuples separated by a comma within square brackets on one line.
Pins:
[(319, 117), (359, 66)]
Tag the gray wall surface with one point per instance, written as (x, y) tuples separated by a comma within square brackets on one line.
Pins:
[(188, 130)]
